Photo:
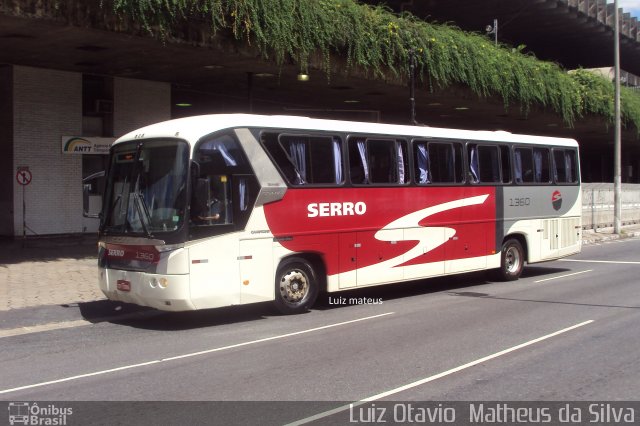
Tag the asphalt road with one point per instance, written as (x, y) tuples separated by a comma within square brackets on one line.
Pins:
[(567, 330)]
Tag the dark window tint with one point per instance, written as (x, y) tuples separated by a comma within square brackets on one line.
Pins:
[(437, 162), (218, 159), (484, 164), (223, 187), (565, 166), (307, 159), (505, 156), (377, 161), (531, 165)]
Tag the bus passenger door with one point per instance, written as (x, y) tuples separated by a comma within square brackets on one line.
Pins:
[(256, 270)]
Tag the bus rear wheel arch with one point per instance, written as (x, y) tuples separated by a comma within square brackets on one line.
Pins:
[(512, 259), (296, 285)]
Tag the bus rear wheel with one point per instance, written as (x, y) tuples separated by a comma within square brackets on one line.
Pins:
[(296, 286), (511, 260)]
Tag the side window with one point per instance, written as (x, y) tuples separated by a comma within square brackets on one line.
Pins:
[(541, 165), (220, 177), (437, 162), (523, 162), (307, 159), (377, 161), (565, 166), (531, 165), (459, 162), (505, 156), (484, 163), (212, 201)]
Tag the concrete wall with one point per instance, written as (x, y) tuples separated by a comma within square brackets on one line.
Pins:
[(138, 103), (597, 205), (6, 150), (47, 104)]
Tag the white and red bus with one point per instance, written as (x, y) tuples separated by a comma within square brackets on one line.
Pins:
[(223, 210)]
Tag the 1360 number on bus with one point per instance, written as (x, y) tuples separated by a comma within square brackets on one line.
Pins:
[(519, 202)]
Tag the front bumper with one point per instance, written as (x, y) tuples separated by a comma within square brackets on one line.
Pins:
[(160, 291)]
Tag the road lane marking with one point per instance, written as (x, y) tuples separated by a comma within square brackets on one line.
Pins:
[(208, 351), (42, 327), (436, 376), (564, 276), (620, 262)]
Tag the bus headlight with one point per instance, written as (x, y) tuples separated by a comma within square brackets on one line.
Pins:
[(169, 247), (158, 282)]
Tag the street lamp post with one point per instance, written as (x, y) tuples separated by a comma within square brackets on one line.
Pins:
[(412, 86), (493, 30), (617, 143)]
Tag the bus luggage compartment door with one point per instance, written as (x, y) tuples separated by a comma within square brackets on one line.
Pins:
[(366, 260)]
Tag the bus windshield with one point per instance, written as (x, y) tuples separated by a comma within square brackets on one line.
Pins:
[(146, 190)]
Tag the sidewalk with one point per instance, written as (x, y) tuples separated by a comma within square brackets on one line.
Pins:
[(52, 271), (59, 271), (600, 235)]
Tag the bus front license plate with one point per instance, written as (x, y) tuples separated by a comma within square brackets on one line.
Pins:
[(123, 285)]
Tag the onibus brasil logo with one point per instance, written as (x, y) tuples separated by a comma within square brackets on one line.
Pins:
[(27, 413)]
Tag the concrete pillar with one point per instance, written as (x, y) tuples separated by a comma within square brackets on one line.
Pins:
[(137, 103), (47, 104)]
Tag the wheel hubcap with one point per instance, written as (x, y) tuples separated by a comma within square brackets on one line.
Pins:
[(294, 286), (512, 259)]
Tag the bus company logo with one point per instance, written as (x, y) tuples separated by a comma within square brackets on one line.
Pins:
[(26, 413), (336, 209), (116, 252), (556, 200)]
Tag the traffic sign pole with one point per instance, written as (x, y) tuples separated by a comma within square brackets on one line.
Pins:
[(23, 177)]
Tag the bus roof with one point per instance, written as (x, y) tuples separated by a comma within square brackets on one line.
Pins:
[(193, 128)]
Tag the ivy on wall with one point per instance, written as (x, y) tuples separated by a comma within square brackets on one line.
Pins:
[(377, 41)]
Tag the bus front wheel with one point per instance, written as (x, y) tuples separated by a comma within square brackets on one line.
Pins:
[(511, 260), (296, 286)]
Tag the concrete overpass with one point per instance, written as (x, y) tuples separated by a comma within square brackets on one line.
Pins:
[(227, 76)]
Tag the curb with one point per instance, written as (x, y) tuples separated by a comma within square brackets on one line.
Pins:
[(601, 237)]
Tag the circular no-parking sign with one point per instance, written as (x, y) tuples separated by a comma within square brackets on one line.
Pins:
[(23, 176)]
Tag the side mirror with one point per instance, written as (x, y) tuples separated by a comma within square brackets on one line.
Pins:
[(87, 186)]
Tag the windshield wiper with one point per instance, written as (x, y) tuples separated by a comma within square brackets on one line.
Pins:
[(143, 212), (138, 198)]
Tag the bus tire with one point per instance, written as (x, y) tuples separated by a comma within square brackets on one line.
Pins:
[(296, 286), (511, 260)]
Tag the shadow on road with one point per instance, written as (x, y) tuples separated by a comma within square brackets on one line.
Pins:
[(151, 319), (401, 290), (135, 316), (536, 271)]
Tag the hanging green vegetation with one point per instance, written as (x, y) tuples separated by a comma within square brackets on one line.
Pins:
[(377, 41)]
